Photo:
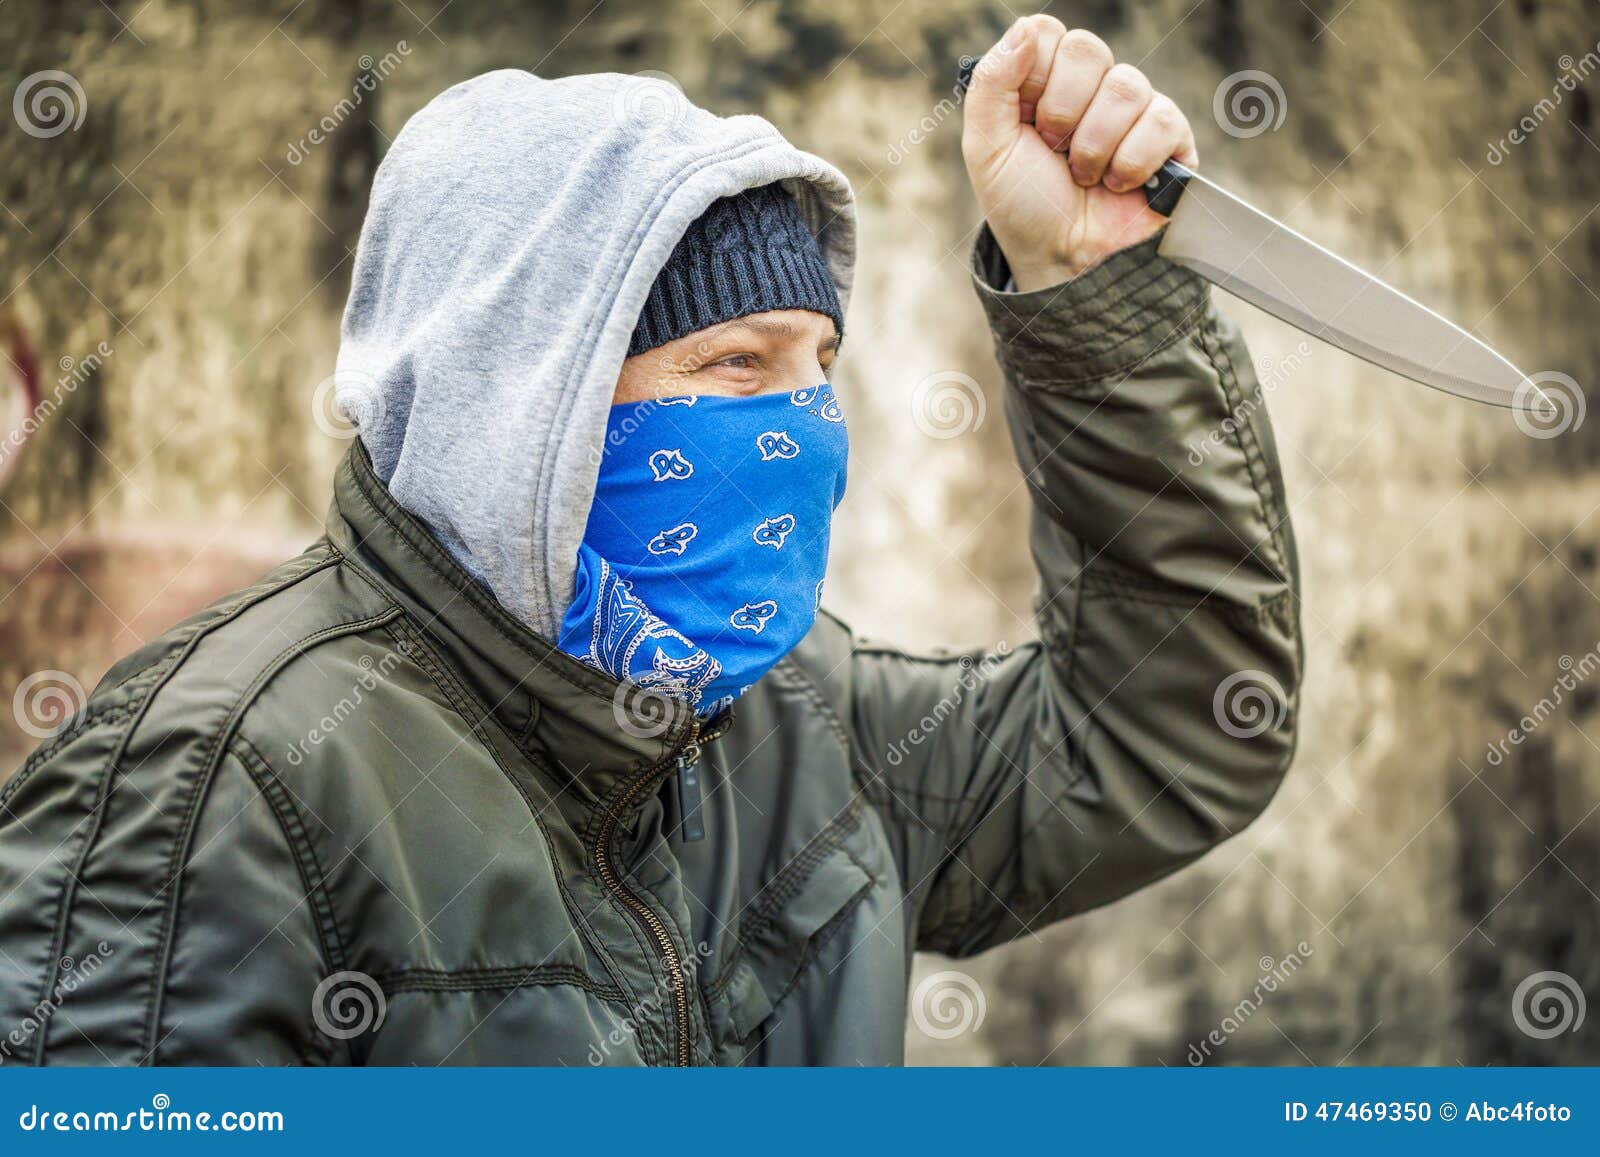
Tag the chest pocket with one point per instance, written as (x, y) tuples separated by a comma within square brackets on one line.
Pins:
[(781, 940)]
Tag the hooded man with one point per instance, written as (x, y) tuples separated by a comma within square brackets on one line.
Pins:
[(545, 754)]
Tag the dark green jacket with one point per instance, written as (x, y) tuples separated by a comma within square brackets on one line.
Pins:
[(357, 813)]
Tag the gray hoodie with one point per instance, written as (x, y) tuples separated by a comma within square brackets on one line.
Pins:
[(514, 230)]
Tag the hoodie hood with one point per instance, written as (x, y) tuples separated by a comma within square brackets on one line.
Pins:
[(513, 233)]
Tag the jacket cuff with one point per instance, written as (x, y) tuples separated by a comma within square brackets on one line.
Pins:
[(1101, 324)]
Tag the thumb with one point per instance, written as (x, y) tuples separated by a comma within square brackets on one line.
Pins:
[(992, 119)]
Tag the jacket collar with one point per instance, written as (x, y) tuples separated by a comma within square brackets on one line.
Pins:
[(590, 729)]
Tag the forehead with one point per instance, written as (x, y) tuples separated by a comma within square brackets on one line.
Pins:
[(782, 325)]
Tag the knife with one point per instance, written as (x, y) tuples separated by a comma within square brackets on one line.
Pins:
[(1234, 245)]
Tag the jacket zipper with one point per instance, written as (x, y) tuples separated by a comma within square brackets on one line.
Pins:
[(671, 961), (691, 823)]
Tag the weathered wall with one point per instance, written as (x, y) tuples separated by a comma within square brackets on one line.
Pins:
[(1451, 561)]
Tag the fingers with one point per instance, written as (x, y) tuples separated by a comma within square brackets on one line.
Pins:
[(1160, 132), (1118, 103), (1112, 125), (1046, 33), (1078, 65), (992, 119)]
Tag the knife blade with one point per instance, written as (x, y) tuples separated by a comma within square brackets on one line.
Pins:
[(1236, 246)]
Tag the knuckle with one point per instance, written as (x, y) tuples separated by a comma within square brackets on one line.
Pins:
[(1081, 46), (1054, 120), (1123, 167), (1090, 154), (1166, 115), (1126, 83)]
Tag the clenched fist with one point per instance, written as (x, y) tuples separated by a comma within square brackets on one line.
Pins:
[(1058, 138)]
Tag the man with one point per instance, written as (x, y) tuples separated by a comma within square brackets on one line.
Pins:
[(545, 754)]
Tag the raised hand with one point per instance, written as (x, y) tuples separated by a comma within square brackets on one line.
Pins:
[(1058, 138)]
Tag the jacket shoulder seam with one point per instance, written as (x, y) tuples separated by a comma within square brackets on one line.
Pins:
[(295, 834), (107, 778), (179, 855)]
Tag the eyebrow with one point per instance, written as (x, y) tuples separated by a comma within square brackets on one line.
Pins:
[(774, 327)]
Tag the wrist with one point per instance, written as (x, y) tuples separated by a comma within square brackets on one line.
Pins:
[(1031, 276), (1100, 323)]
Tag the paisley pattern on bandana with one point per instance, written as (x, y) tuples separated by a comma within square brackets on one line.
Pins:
[(703, 559)]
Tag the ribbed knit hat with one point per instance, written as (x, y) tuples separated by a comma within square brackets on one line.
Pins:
[(745, 254)]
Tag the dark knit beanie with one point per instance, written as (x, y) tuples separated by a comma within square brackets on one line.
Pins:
[(745, 254)]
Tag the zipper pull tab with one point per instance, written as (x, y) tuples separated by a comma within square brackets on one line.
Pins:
[(689, 798)]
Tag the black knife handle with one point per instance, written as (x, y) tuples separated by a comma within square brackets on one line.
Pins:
[(1161, 191), (1166, 186)]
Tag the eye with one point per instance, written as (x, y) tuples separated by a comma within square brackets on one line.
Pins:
[(737, 361)]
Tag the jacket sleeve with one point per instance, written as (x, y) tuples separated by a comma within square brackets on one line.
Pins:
[(151, 908), (1156, 714)]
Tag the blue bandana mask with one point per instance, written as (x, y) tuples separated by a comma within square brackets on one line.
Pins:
[(702, 562)]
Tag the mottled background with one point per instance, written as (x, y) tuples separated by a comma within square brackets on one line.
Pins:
[(1451, 560)]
